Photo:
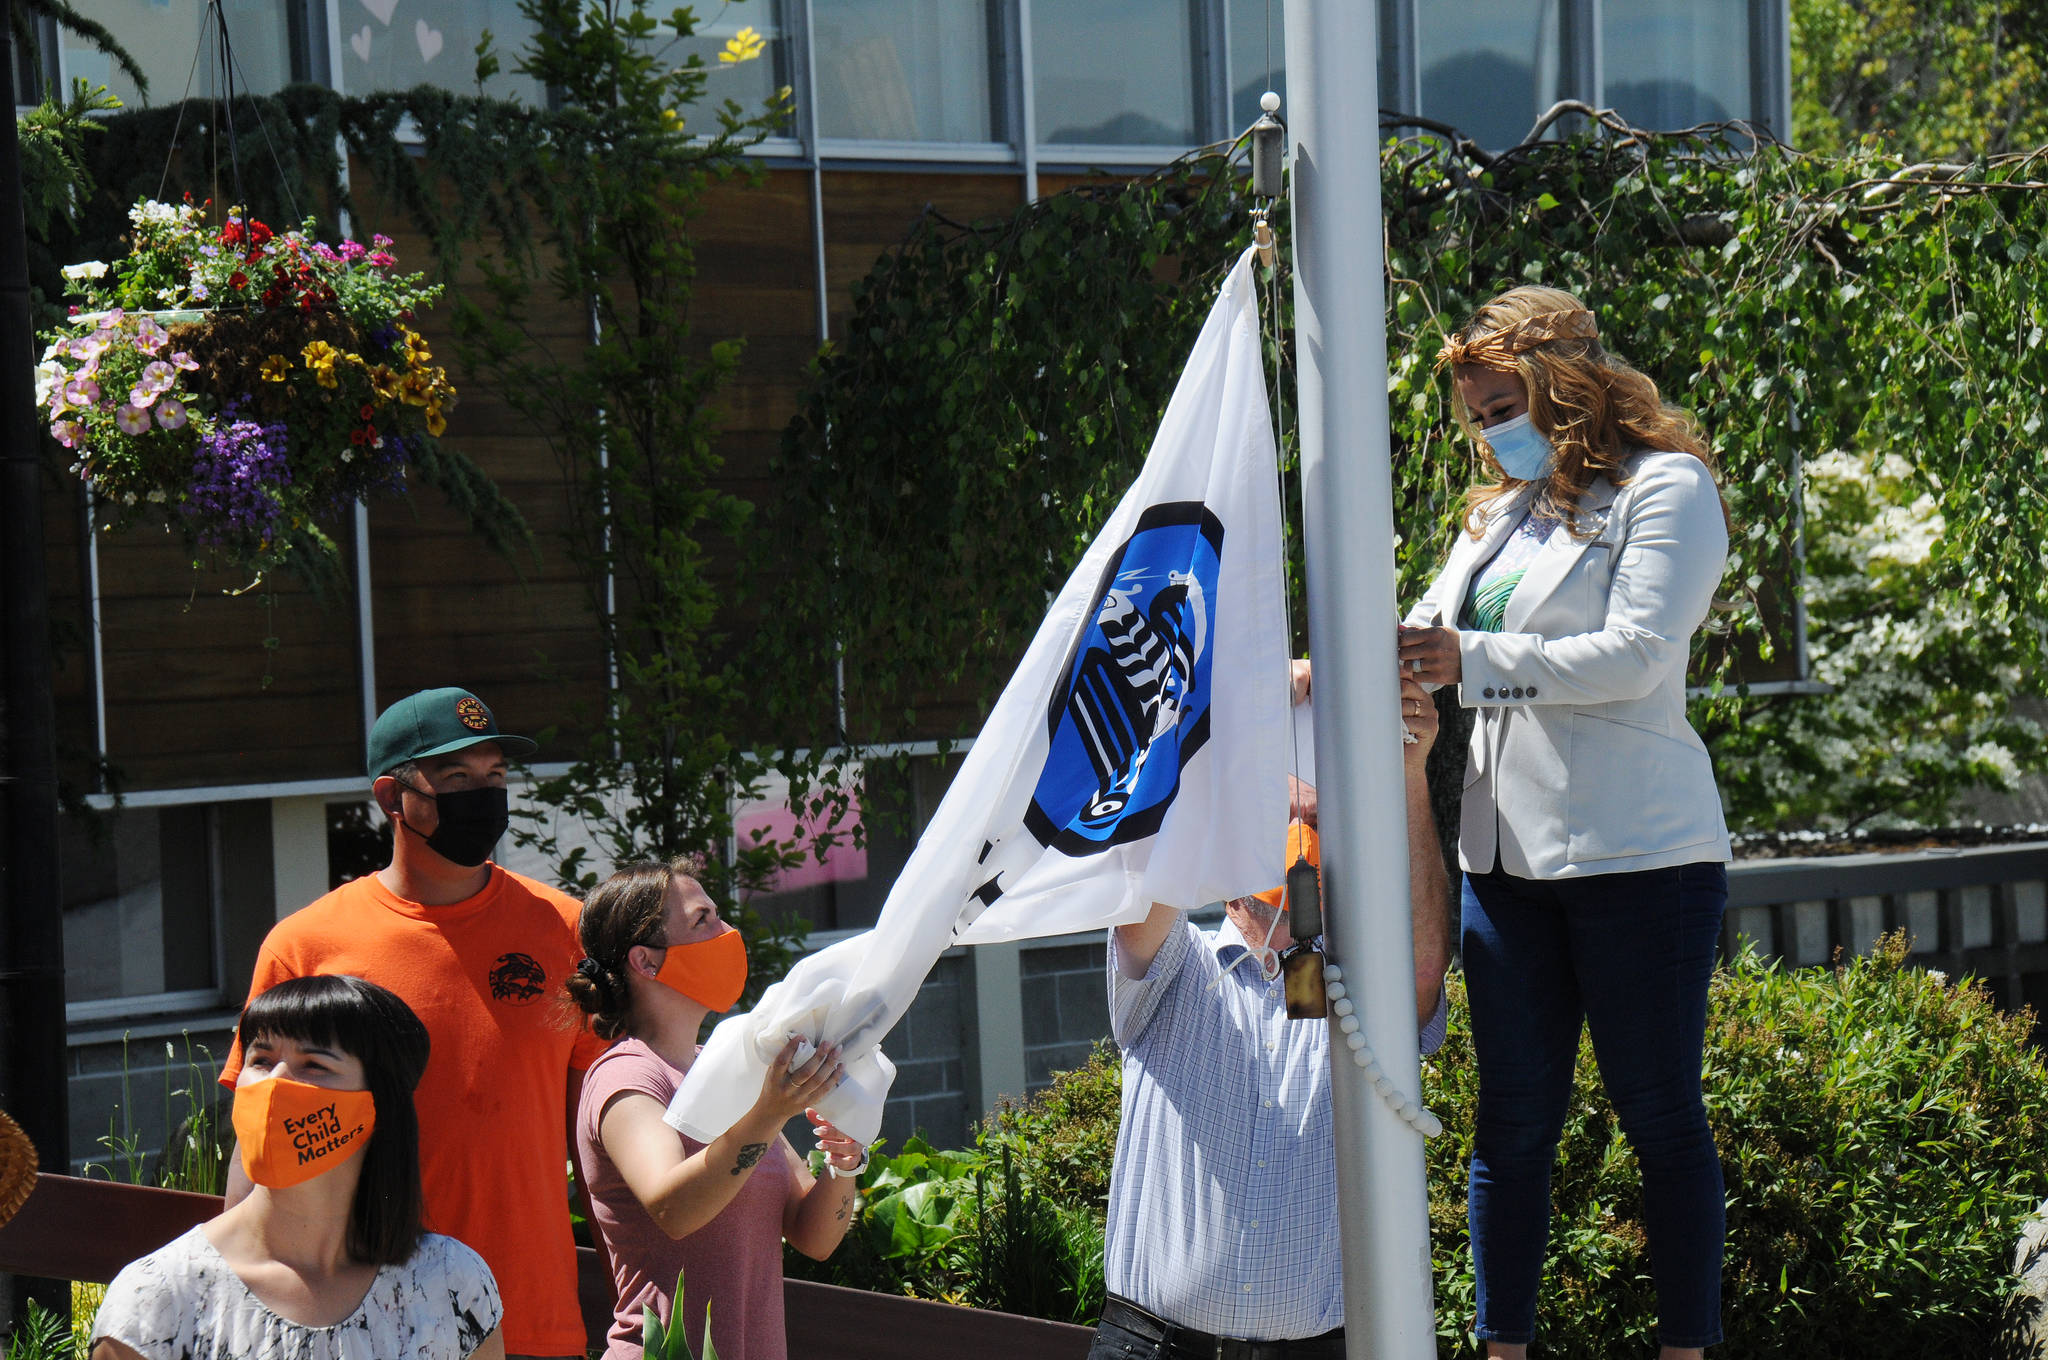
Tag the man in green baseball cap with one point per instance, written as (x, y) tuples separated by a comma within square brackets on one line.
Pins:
[(479, 952)]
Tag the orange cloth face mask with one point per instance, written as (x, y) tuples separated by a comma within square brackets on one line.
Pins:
[(710, 972), (291, 1131)]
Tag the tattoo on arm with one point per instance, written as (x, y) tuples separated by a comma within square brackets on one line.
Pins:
[(748, 1155), (841, 1215)]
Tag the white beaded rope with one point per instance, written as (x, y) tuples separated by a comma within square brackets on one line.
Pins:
[(1417, 1118)]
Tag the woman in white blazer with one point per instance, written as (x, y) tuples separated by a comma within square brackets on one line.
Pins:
[(1592, 839)]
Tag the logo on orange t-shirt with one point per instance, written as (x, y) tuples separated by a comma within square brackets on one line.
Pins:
[(517, 978)]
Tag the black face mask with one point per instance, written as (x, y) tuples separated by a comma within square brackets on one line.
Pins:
[(472, 823)]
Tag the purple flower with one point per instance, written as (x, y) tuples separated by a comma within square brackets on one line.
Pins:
[(131, 420), (237, 471)]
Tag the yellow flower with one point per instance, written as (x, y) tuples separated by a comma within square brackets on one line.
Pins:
[(415, 389), (437, 424), (744, 45), (416, 351), (384, 381), (324, 375), (317, 353), (275, 368)]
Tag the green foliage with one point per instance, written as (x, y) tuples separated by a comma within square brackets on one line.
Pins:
[(1920, 711), (1067, 1131), (986, 1227), (673, 1342), (998, 386), (40, 1335), (1879, 1127), (1932, 79), (195, 1152), (591, 211), (52, 136)]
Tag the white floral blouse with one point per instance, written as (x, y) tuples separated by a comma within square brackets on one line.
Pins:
[(184, 1302)]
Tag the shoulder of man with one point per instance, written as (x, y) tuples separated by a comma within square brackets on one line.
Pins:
[(563, 905), (338, 913)]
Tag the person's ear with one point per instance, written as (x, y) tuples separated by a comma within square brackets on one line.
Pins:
[(641, 959), (386, 792)]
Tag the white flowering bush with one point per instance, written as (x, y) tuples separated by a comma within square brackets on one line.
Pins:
[(1921, 681)]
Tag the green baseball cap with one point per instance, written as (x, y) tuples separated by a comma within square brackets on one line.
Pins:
[(433, 723)]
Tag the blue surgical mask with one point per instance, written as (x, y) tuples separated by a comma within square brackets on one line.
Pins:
[(1520, 448)]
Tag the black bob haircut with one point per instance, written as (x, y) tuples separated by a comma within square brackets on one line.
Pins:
[(374, 1026)]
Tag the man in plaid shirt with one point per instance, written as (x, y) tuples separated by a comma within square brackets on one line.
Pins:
[(1223, 1239)]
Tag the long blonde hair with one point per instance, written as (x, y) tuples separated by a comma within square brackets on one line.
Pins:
[(1595, 407)]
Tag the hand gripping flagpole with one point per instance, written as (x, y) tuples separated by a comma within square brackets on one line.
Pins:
[(1347, 498)]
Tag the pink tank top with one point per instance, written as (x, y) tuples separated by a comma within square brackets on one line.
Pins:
[(733, 1263)]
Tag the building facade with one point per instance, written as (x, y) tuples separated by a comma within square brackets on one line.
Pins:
[(240, 784)]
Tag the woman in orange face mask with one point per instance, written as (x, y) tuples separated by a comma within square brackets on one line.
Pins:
[(326, 1256), (658, 961)]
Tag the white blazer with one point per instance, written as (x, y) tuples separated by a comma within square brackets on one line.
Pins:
[(1581, 760)]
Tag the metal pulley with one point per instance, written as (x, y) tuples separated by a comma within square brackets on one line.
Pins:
[(1269, 148)]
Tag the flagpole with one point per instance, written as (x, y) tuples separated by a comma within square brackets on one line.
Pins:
[(1347, 499)]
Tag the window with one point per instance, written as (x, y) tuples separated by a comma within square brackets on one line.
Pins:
[(908, 70), (164, 37), (750, 84), (164, 906), (1128, 74), (1491, 67), (35, 64), (1258, 58), (397, 44), (139, 905), (1676, 63)]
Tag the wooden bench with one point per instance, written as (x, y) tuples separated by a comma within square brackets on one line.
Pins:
[(72, 1229)]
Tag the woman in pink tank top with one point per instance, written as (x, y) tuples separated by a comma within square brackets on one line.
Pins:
[(657, 961)]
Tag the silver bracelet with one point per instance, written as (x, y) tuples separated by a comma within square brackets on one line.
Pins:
[(839, 1175)]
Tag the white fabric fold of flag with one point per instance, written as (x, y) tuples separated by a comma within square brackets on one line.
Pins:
[(1138, 755)]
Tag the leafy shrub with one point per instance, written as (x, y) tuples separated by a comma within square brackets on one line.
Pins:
[(1880, 1130)]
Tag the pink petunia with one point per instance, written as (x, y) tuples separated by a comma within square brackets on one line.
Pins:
[(170, 413), (81, 392), (149, 337), (131, 420), (352, 250), (180, 359), (67, 432)]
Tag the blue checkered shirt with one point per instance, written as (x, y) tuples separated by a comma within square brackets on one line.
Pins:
[(1223, 1203)]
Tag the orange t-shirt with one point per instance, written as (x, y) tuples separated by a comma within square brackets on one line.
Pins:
[(485, 977)]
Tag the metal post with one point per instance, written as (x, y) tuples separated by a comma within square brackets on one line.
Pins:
[(1347, 496), (32, 938)]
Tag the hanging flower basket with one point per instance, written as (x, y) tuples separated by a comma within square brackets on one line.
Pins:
[(248, 382)]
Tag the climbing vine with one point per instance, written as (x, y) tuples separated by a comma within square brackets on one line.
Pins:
[(999, 382)]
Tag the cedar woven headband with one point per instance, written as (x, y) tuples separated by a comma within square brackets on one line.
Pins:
[(1497, 349)]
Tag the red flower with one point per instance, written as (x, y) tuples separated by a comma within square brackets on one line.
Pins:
[(359, 437), (238, 280), (259, 233), (365, 414), (231, 234)]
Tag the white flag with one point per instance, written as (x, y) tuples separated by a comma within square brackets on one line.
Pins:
[(1139, 754)]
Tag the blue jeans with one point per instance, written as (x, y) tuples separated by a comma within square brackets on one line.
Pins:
[(1629, 955)]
